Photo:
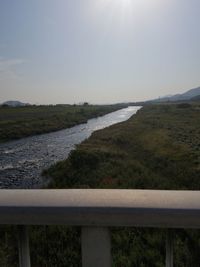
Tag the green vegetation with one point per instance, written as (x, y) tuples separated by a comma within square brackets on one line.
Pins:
[(20, 122), (159, 148)]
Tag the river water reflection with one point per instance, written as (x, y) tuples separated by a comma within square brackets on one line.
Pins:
[(22, 161)]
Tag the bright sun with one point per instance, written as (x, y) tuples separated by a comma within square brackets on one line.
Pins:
[(122, 2), (126, 2), (126, 11)]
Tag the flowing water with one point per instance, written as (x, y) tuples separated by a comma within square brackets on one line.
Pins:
[(22, 161)]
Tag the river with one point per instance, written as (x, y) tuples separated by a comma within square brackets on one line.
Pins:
[(22, 161)]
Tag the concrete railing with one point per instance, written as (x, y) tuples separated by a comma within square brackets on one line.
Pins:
[(95, 211)]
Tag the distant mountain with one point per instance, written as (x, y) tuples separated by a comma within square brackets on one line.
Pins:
[(195, 98), (15, 104), (192, 93), (178, 97)]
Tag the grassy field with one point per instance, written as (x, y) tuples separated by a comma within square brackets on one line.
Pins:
[(159, 148), (30, 120)]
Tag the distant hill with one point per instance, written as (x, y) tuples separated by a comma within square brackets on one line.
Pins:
[(12, 103), (195, 98), (192, 93), (188, 95)]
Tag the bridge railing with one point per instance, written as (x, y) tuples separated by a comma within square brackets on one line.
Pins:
[(95, 210)]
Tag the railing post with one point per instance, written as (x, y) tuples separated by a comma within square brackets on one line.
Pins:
[(96, 247), (23, 245), (169, 248)]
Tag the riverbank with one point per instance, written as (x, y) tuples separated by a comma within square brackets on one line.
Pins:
[(22, 161), (26, 121), (158, 148)]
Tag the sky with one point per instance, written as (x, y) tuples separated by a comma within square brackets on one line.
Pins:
[(99, 51)]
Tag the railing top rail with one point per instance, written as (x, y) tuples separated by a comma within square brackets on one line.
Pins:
[(99, 207)]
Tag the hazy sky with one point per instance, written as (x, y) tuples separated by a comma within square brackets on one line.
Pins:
[(100, 51)]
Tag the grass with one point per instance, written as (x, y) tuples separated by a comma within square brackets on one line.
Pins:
[(158, 148), (21, 122)]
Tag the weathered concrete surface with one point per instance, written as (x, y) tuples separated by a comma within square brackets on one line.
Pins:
[(96, 247), (23, 245), (96, 207)]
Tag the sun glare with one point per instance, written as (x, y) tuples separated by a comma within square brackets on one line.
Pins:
[(125, 2), (125, 13), (129, 4), (122, 3)]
